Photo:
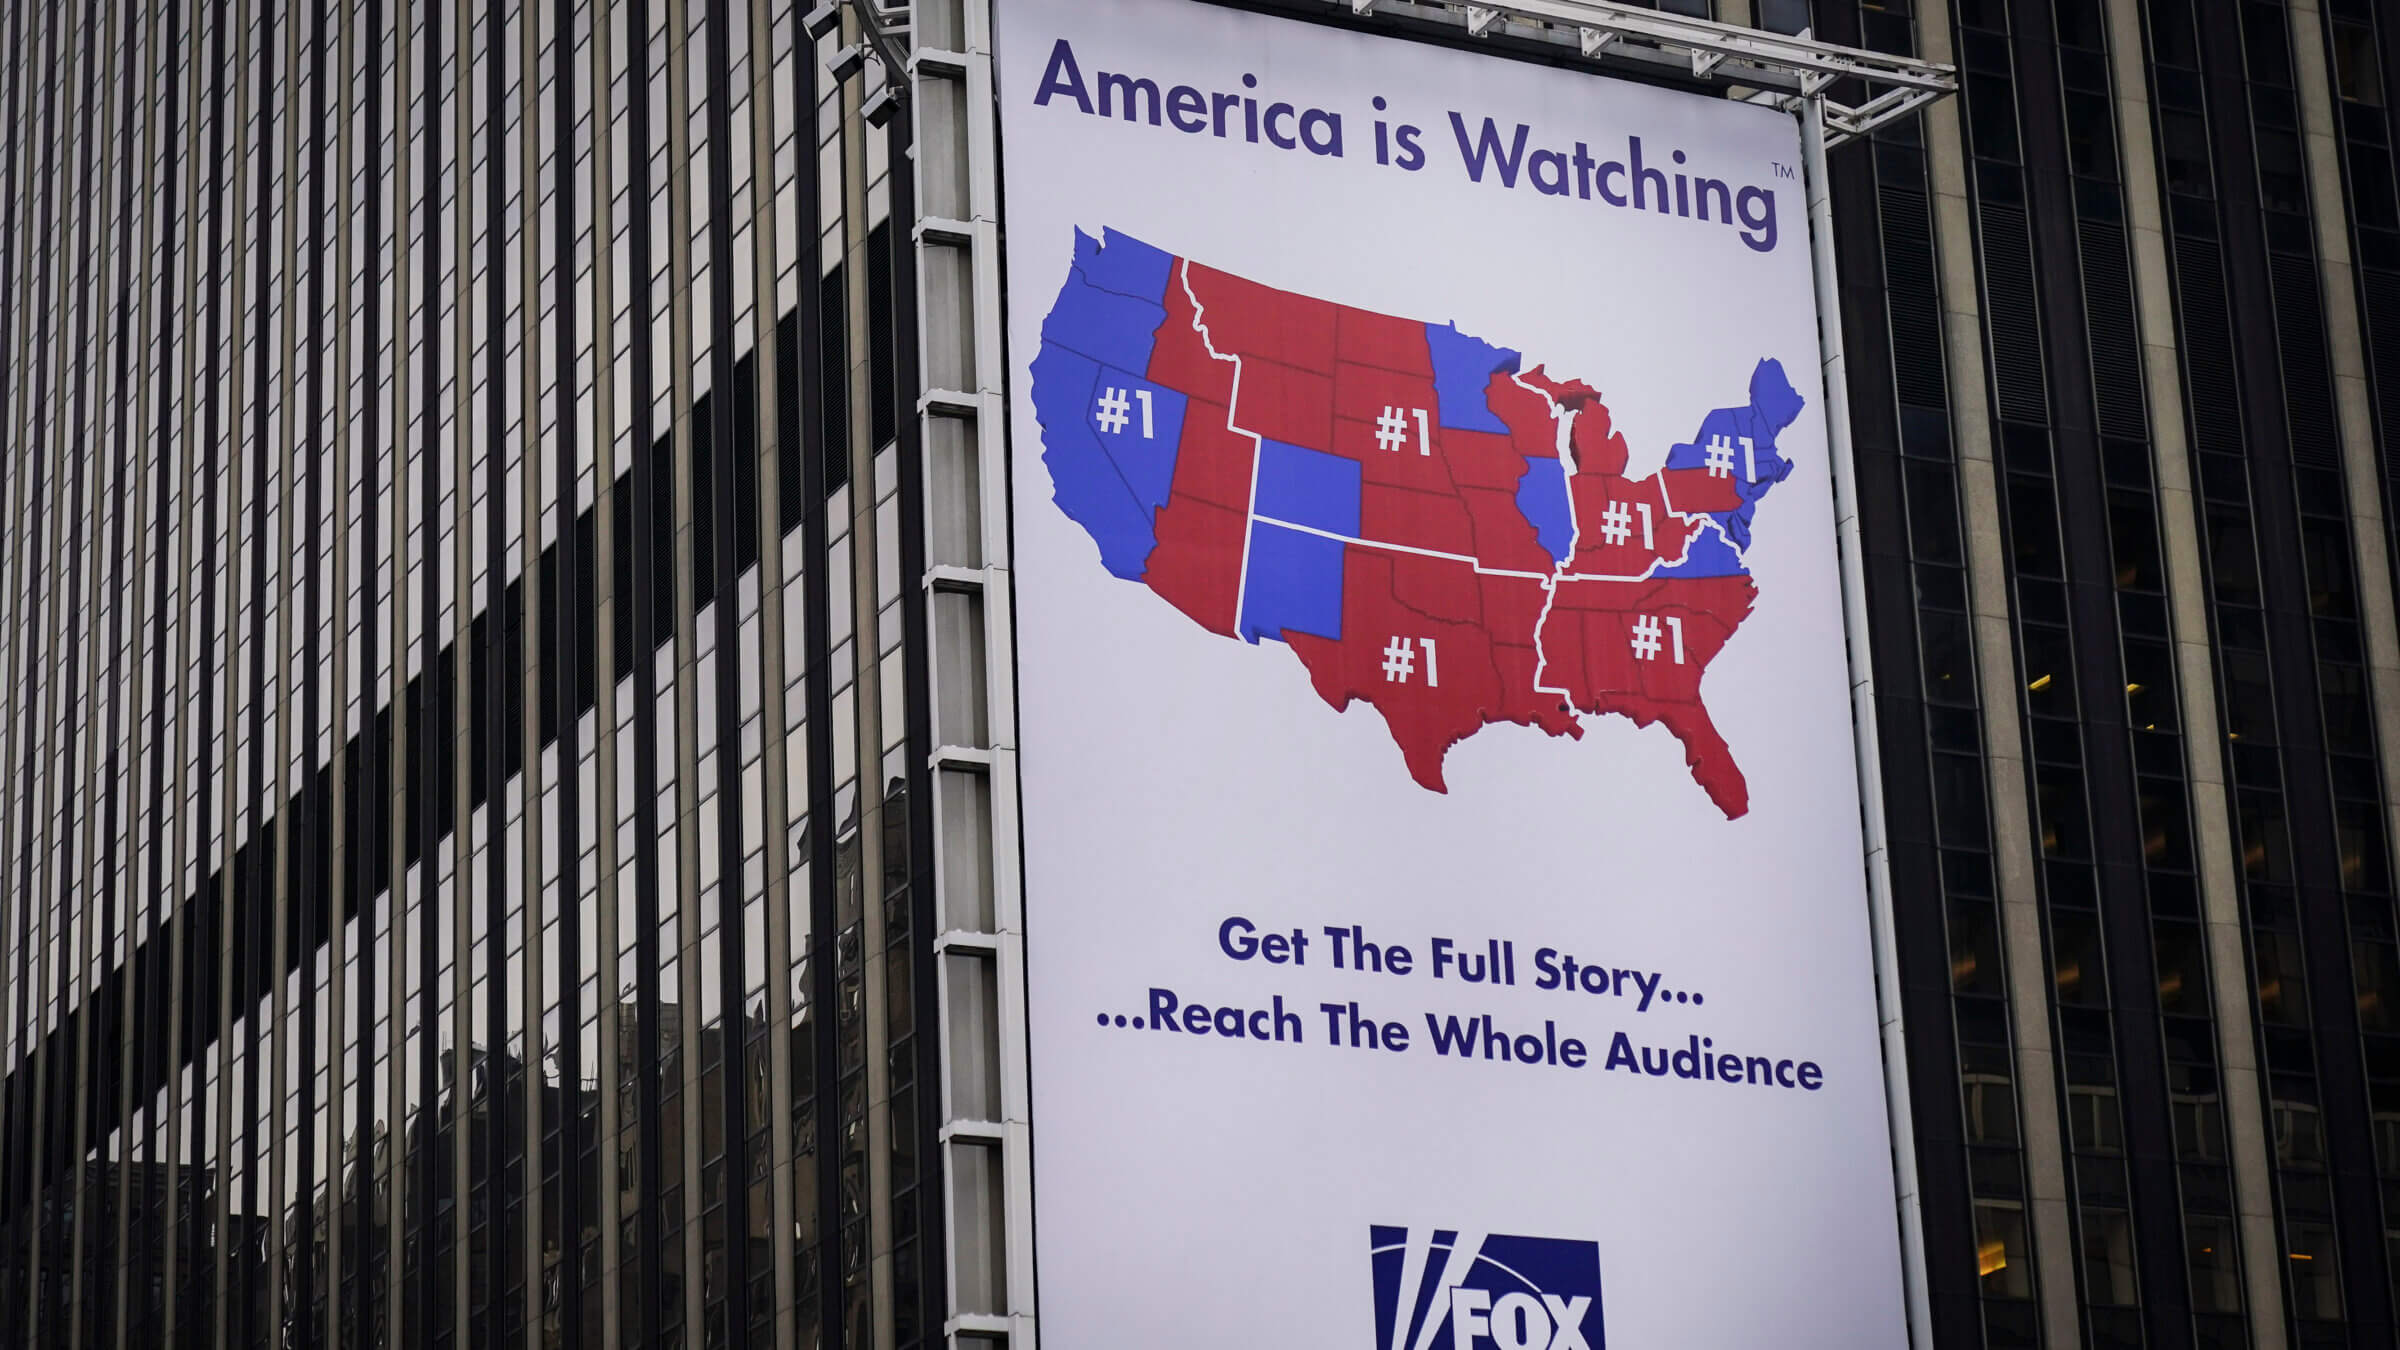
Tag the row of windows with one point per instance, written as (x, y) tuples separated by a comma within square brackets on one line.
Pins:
[(2079, 505), (2361, 106), (1961, 903), (2111, 820), (466, 1022), (2251, 473)]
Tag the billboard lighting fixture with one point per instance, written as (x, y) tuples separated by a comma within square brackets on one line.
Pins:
[(881, 33), (1773, 68), (847, 62), (879, 110)]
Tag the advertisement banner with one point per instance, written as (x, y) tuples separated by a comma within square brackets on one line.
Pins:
[(1446, 923)]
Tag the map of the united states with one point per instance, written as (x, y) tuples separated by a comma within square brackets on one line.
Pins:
[(1432, 528)]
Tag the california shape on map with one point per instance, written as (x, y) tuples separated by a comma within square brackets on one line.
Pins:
[(1433, 529)]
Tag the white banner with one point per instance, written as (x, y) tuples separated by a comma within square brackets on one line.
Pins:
[(1445, 918)]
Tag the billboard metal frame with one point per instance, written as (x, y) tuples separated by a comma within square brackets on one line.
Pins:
[(1774, 67), (1837, 93)]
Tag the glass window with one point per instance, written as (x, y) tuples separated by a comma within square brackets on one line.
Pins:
[(2282, 175), (2080, 24), (2198, 1113), (2282, 991), (2356, 72), (2033, 527), (2325, 544), (2049, 670), (2092, 1119), (2166, 838), (2150, 702), (2075, 958), (1992, 14), (2232, 563), (2000, 1250), (2371, 185), (2316, 1272), (2349, 727), (1991, 1109), (1783, 16), (2387, 1142), (2358, 832), (1924, 432), (2378, 968), (2249, 697), (1958, 799), (2108, 1257), (2267, 35), (2299, 1134), (1992, 117), (1974, 948), (2065, 830), (2133, 533), (2184, 136), (2216, 1281), (2182, 968), (1949, 658), (1933, 512), (2091, 134)]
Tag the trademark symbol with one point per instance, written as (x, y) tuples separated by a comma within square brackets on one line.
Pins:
[(1785, 171)]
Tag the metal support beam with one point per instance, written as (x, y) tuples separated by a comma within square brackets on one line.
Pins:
[(1783, 69), (1866, 731)]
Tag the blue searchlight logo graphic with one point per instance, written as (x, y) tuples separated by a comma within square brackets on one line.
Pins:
[(1441, 1289)]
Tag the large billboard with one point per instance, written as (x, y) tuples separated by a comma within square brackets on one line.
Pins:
[(1446, 923)]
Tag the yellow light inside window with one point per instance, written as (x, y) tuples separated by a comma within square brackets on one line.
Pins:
[(1989, 1257), (2039, 685)]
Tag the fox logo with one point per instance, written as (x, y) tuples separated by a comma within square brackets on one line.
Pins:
[(1448, 1290)]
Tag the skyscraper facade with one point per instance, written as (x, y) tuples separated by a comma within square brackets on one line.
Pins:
[(507, 832), (475, 768), (2121, 319)]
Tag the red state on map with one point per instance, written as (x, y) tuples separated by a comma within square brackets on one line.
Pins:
[(1250, 320), (1639, 649), (1624, 526), (1285, 345), (1383, 419), (1376, 422), (1568, 394), (1702, 491), (1439, 649), (1197, 564)]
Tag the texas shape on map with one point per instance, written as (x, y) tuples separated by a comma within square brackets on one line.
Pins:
[(1433, 529)]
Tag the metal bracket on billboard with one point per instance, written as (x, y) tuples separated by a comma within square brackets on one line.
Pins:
[(1780, 68)]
